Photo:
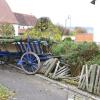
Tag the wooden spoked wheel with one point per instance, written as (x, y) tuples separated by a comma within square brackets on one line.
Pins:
[(30, 63)]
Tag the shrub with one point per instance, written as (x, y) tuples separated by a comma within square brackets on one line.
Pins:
[(76, 54)]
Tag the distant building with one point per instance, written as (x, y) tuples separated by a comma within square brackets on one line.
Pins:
[(84, 37), (21, 22), (24, 22), (81, 37), (88, 29)]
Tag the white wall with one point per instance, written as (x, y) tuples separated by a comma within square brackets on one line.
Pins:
[(16, 29)]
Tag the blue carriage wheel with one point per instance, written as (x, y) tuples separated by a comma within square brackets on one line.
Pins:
[(30, 63)]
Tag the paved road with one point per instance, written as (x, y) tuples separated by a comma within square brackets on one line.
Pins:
[(30, 87)]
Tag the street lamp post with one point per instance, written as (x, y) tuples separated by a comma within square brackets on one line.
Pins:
[(65, 23), (68, 22), (69, 18)]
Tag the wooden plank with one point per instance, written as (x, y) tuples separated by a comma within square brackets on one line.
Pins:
[(81, 76), (87, 77), (92, 78), (61, 75), (57, 66), (96, 80), (63, 70), (82, 81), (98, 86), (51, 66), (48, 62), (83, 86), (46, 65)]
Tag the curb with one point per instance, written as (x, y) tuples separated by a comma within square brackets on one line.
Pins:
[(71, 88)]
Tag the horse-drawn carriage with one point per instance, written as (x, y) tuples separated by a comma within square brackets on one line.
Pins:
[(26, 53)]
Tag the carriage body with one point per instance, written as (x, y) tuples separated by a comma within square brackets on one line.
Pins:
[(27, 53)]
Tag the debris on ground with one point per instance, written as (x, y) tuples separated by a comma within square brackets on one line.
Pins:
[(54, 69)]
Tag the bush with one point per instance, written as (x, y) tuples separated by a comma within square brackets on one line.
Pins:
[(60, 48), (76, 54), (95, 60)]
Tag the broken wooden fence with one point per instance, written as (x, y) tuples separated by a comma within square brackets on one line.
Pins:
[(90, 79), (53, 68)]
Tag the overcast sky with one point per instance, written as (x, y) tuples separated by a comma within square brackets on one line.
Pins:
[(81, 12)]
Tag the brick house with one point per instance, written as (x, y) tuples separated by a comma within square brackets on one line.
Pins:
[(80, 37), (84, 37)]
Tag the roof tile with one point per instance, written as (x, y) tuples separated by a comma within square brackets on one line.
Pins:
[(25, 20)]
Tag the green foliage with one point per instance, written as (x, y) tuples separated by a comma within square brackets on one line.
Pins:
[(58, 49), (61, 47), (7, 30), (44, 29), (64, 30), (42, 24), (4, 93), (95, 60), (73, 33), (76, 54)]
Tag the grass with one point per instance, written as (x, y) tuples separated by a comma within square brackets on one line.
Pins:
[(4, 93)]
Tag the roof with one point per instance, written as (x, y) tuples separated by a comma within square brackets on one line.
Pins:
[(6, 15), (26, 20)]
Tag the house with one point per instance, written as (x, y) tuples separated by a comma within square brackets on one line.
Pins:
[(6, 15), (81, 36), (88, 37), (21, 22), (25, 21)]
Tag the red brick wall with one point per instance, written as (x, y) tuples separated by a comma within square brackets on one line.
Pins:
[(84, 37)]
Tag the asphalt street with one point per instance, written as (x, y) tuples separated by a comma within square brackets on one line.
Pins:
[(29, 87)]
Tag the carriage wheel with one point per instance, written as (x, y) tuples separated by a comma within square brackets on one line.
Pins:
[(30, 63)]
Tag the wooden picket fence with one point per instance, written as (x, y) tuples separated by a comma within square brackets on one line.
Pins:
[(90, 79)]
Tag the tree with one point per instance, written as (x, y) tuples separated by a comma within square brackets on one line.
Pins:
[(64, 30), (80, 30), (42, 24), (6, 30), (45, 29)]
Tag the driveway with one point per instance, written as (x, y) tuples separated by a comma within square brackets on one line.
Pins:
[(29, 87)]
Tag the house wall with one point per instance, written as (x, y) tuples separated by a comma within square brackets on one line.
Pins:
[(24, 27), (84, 37), (80, 37), (16, 29)]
